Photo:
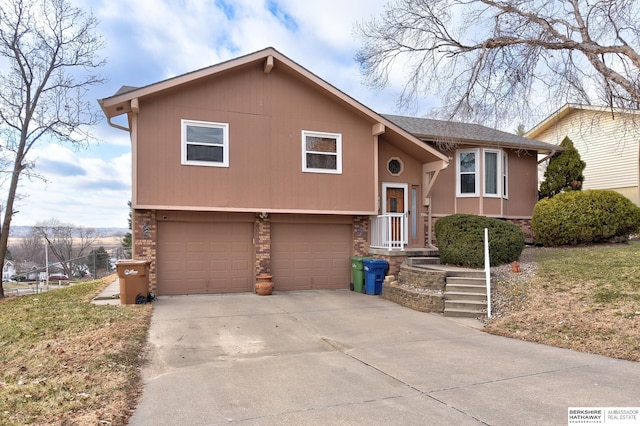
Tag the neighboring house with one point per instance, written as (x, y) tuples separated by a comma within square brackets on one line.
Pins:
[(256, 165), (8, 270), (607, 141)]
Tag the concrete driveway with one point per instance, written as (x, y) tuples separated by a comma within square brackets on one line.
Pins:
[(338, 357)]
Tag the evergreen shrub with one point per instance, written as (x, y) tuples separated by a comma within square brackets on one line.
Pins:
[(461, 240), (581, 217)]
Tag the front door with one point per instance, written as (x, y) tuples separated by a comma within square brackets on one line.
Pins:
[(396, 203)]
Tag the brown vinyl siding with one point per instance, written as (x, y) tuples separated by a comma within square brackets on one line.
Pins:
[(266, 114)]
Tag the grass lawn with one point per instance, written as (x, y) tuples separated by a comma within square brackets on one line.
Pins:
[(66, 361), (583, 298)]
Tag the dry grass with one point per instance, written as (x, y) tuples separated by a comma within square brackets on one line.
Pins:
[(65, 361), (585, 299)]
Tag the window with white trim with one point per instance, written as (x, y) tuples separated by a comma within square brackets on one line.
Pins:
[(492, 163), (205, 143), (321, 152), (467, 176), (492, 172)]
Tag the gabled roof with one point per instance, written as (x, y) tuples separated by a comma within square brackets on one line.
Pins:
[(431, 130), (558, 115), (126, 99)]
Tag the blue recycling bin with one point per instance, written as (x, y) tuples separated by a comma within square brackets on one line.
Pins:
[(374, 270)]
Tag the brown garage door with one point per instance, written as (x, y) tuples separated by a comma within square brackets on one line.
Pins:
[(203, 257), (310, 256)]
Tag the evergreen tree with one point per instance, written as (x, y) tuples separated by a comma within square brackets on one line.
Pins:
[(127, 241), (564, 172)]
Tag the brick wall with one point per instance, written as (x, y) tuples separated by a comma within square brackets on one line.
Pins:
[(417, 288), (417, 300), (145, 231), (421, 278)]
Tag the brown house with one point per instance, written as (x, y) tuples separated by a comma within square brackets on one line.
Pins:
[(257, 165)]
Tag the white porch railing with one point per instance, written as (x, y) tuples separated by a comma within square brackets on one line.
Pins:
[(388, 231)]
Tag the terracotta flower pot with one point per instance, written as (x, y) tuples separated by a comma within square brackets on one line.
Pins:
[(264, 285)]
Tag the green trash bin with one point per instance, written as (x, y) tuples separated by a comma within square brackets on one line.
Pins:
[(357, 273)]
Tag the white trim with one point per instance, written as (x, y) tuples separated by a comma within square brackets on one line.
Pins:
[(476, 172), (338, 154), (225, 143), (505, 174)]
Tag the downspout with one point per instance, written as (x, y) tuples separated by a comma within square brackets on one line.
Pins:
[(117, 126)]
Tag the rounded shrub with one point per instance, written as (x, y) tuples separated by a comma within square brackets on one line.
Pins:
[(461, 240), (581, 217)]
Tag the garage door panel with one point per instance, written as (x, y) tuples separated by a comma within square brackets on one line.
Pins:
[(310, 256), (204, 257)]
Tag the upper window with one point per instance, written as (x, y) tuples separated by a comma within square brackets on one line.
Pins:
[(467, 160), (205, 143), (491, 164), (321, 152)]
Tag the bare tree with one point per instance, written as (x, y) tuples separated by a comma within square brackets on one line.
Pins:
[(491, 59), (48, 49), (29, 248), (67, 243)]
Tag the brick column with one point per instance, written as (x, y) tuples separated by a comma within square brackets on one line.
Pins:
[(360, 235), (262, 235), (145, 232)]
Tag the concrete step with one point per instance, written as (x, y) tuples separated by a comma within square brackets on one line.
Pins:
[(466, 280), (468, 296), (462, 313), (466, 305), (466, 288), (423, 260)]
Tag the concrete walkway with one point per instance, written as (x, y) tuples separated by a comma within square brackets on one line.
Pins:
[(110, 295), (337, 357)]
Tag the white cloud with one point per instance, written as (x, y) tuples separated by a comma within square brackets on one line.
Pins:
[(89, 192), (151, 40)]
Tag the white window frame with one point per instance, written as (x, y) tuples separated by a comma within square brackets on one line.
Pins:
[(185, 143), (338, 154), (499, 176), (505, 174), (476, 173)]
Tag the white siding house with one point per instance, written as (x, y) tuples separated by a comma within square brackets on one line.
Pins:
[(608, 142)]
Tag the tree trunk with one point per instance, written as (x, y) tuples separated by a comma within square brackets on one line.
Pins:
[(8, 214)]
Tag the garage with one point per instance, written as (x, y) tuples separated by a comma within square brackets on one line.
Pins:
[(307, 256), (204, 257)]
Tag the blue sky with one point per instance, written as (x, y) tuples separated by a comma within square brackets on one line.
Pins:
[(151, 40)]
